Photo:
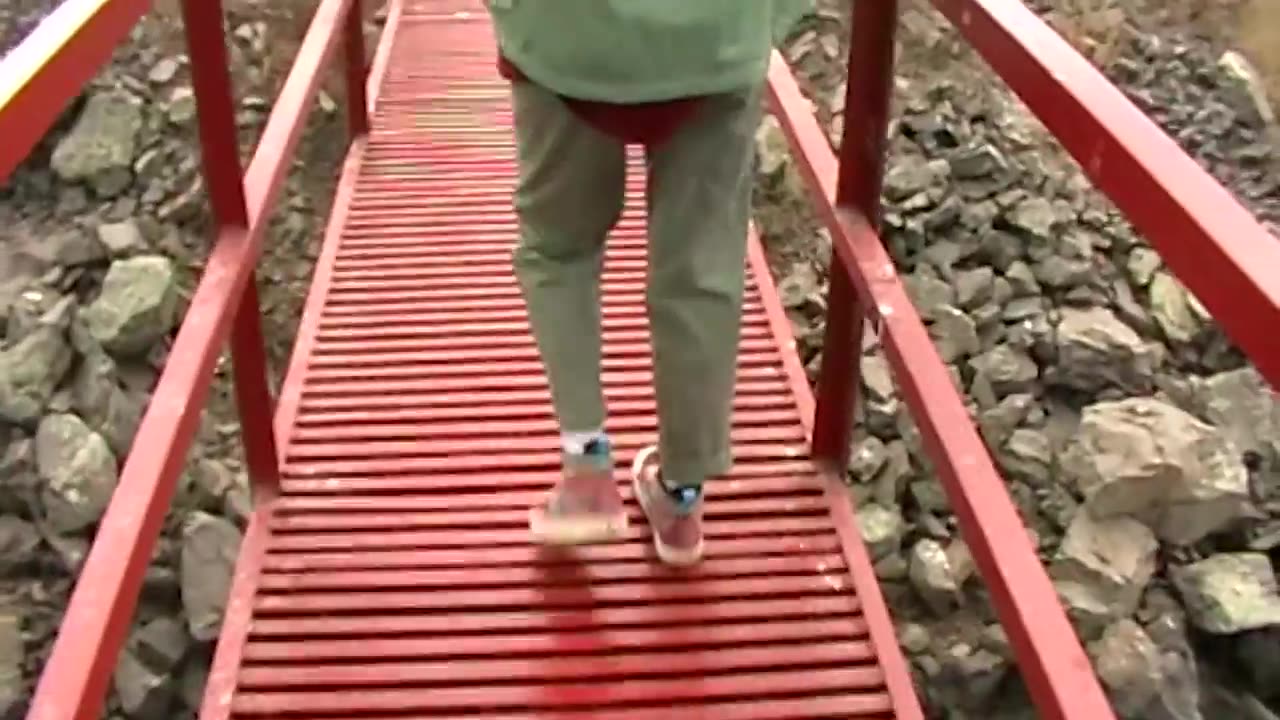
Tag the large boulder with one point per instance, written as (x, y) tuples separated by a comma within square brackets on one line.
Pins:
[(1146, 458), (78, 470), (136, 307), (99, 150)]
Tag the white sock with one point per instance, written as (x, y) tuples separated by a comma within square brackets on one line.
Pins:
[(575, 443)]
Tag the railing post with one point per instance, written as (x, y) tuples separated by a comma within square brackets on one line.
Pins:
[(862, 150), (357, 72), (224, 177)]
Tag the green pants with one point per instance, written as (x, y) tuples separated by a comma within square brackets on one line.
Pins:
[(570, 195)]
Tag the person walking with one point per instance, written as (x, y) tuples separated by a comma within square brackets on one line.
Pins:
[(683, 78)]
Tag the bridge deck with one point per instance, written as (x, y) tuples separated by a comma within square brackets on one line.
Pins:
[(396, 577)]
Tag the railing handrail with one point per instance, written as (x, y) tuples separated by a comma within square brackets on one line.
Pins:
[(46, 70), (37, 80), (1209, 241)]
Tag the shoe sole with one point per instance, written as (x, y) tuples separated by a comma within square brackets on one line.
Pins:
[(587, 530), (678, 557)]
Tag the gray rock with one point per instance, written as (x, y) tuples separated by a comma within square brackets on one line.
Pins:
[(37, 307), (1222, 702), (891, 481), (1175, 310), (1001, 249), (929, 294), (866, 458), (977, 162), (1028, 455), (1249, 92), (78, 470), (1146, 458), (1007, 370), (137, 305), (1088, 613), (954, 334), (193, 679), (969, 677), (29, 373), (882, 529), (1022, 308), (209, 548), (1255, 653), (1034, 218), (180, 107), (1129, 310), (161, 644), (103, 404), (144, 694), (998, 422), (942, 254), (974, 287), (772, 150), (13, 658), (19, 545), (1110, 559), (1096, 350), (798, 286), (913, 637), (100, 147), (1060, 272), (1129, 665), (163, 71), (122, 239), (962, 563), (72, 247), (877, 378), (1229, 592), (910, 175), (931, 576), (1142, 264), (1022, 281), (1242, 405), (930, 496)]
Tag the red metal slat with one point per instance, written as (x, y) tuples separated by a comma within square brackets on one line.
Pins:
[(617, 665), (433, 511), (464, 482), (753, 547), (465, 632), (824, 706), (482, 539), (600, 575), (576, 695)]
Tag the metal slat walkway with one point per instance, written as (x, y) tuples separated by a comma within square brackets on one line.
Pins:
[(398, 578)]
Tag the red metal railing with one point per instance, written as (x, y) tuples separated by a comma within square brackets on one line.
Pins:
[(1225, 257), (37, 80)]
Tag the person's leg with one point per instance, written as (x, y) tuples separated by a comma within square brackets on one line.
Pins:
[(699, 209), (569, 196)]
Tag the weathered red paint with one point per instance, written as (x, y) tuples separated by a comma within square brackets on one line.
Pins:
[(869, 88)]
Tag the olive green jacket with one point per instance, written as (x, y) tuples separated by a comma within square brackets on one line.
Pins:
[(632, 51)]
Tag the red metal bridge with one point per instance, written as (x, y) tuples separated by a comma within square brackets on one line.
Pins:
[(386, 571)]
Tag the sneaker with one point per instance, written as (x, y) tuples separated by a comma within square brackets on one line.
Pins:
[(585, 506), (674, 517)]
